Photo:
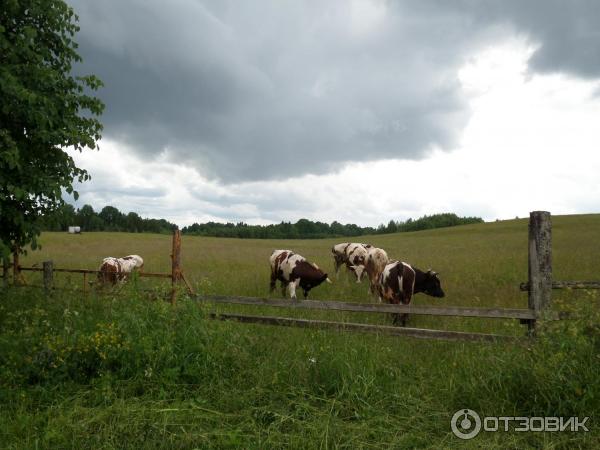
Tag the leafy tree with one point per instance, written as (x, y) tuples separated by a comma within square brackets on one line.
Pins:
[(391, 227), (44, 109), (112, 218), (61, 219), (85, 217), (305, 227), (134, 223)]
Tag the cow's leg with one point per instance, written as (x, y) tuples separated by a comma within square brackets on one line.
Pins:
[(292, 287), (273, 281), (357, 273), (403, 319), (372, 286), (400, 318), (376, 290), (336, 264), (283, 289), (405, 299), (396, 317)]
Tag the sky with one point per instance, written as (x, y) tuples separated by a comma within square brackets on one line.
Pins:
[(360, 111)]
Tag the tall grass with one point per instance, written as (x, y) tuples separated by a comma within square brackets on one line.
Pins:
[(128, 372)]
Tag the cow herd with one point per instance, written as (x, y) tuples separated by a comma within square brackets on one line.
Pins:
[(390, 280)]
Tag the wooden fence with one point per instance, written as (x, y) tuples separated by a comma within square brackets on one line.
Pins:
[(525, 315), (539, 288)]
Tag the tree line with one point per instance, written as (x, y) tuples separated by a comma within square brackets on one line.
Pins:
[(111, 219), (427, 223), (307, 229), (108, 219)]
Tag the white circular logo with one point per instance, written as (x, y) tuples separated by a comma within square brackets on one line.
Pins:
[(465, 424)]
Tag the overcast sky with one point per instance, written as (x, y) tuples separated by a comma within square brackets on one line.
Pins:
[(357, 111)]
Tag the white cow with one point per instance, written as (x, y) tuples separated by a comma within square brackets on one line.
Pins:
[(114, 269), (353, 255), (293, 270), (375, 263)]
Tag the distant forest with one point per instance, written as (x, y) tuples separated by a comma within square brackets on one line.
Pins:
[(108, 219), (111, 219)]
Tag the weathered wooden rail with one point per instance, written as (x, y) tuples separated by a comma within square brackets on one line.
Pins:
[(455, 311), (422, 333), (567, 285), (492, 313), (90, 271)]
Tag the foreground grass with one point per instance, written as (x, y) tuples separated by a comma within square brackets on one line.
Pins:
[(127, 372)]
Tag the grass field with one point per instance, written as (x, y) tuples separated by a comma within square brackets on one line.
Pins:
[(120, 371)]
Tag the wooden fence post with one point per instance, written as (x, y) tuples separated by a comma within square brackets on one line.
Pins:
[(540, 263), (176, 263), (48, 277)]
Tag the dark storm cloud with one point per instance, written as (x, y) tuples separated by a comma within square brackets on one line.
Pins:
[(567, 33), (262, 90)]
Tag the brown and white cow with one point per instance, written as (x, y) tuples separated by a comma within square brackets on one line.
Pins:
[(375, 263), (353, 255), (114, 269), (293, 270), (399, 281)]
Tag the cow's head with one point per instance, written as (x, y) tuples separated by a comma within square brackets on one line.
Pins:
[(137, 260), (310, 276), (358, 271), (431, 284)]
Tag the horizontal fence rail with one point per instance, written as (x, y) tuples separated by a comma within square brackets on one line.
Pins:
[(567, 285), (140, 274), (366, 328), (458, 311)]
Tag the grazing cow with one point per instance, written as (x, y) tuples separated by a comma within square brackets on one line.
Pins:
[(351, 254), (375, 262), (113, 269), (293, 270), (399, 281)]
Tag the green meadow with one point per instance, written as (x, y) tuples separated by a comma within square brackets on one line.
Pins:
[(122, 368)]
